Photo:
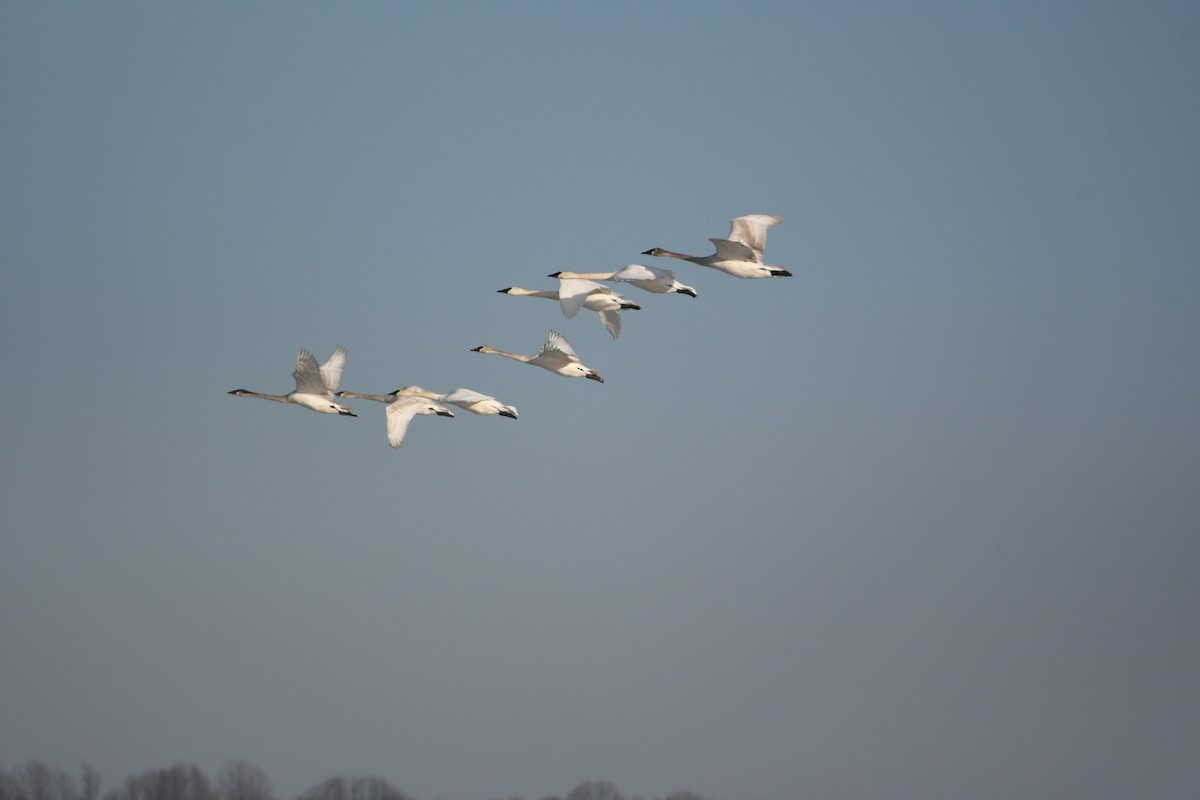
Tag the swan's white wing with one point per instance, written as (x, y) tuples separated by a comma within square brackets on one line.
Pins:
[(467, 396), (399, 414), (612, 322), (308, 374), (558, 348), (638, 272), (417, 391), (331, 370), (572, 292), (733, 251), (751, 230)]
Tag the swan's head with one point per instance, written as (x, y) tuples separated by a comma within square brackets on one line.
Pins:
[(339, 394), (505, 290), (479, 349), (654, 251), (239, 392)]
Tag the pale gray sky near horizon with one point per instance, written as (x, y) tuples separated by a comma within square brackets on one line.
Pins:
[(918, 522)]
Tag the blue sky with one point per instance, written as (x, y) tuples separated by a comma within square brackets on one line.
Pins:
[(918, 522)]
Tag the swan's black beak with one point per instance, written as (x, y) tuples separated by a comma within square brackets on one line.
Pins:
[(648, 252), (594, 376), (505, 290), (554, 274), (476, 349), (780, 273), (630, 307)]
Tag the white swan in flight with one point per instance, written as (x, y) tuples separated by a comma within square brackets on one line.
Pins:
[(315, 385), (651, 279), (400, 411), (556, 355), (741, 254), (573, 295), (466, 399)]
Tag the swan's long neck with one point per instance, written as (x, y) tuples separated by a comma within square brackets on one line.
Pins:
[(493, 351), (378, 398), (278, 398), (519, 292), (586, 276), (417, 391), (702, 260)]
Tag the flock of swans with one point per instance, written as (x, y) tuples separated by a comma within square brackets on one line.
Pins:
[(740, 255)]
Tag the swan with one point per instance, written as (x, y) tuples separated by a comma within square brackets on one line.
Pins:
[(741, 254), (556, 355), (400, 411), (465, 399), (315, 385), (575, 294), (651, 279)]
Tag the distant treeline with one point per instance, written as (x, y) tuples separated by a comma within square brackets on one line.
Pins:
[(237, 780)]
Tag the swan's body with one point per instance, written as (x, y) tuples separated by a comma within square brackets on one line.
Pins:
[(573, 295), (400, 411), (650, 279), (741, 254), (556, 355), (465, 399), (315, 385)]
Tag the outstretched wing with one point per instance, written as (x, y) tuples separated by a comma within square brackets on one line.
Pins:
[(751, 230), (733, 251), (467, 396), (399, 414), (572, 292), (638, 272), (308, 374), (557, 345), (331, 370), (612, 322)]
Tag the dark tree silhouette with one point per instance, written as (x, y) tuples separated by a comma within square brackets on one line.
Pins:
[(358, 788), (241, 781), (36, 780), (179, 782), (594, 790)]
